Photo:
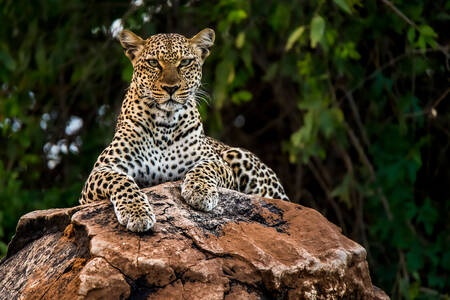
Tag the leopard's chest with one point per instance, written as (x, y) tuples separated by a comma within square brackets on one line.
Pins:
[(169, 160)]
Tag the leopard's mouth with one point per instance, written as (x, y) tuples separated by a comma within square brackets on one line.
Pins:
[(168, 105)]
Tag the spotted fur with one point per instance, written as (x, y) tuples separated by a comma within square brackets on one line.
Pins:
[(159, 136)]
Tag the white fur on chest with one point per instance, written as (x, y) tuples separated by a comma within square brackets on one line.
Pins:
[(169, 161)]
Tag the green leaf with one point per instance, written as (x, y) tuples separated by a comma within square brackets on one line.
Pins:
[(414, 260), (236, 16), (410, 210), (343, 5), (427, 36), (411, 35), (7, 61), (436, 280), (329, 121), (428, 215), (280, 19), (317, 30), (414, 290), (241, 96), (427, 31), (343, 190), (293, 37), (240, 40)]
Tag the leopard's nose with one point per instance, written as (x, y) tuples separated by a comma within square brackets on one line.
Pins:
[(170, 89)]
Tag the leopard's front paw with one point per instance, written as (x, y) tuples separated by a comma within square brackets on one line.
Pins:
[(135, 214), (200, 196)]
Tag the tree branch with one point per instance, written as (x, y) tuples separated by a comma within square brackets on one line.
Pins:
[(366, 162), (326, 189), (432, 108), (414, 25)]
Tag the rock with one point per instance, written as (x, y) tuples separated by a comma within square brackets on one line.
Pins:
[(248, 248)]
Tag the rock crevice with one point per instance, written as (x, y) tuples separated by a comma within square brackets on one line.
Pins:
[(248, 248)]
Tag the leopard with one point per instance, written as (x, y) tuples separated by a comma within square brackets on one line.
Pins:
[(159, 136)]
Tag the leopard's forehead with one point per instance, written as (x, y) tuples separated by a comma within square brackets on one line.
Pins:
[(168, 47)]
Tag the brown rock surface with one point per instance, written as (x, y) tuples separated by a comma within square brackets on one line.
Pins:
[(248, 248)]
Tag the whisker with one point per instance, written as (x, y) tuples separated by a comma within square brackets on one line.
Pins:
[(201, 95)]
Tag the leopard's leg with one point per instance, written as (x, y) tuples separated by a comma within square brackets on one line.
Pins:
[(252, 175), (131, 206), (199, 187)]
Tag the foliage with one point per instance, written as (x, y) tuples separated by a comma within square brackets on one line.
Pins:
[(350, 95)]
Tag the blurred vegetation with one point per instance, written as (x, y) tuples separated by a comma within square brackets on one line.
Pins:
[(346, 99)]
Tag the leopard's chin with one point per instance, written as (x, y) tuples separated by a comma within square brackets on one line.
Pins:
[(169, 105)]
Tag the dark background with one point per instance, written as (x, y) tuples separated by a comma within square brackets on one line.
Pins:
[(347, 100)]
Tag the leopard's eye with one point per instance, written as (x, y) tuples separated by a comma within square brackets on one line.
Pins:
[(153, 62), (185, 62)]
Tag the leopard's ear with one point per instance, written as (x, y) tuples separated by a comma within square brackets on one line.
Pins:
[(132, 44), (202, 41)]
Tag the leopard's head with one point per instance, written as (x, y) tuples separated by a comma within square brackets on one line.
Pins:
[(167, 68)]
